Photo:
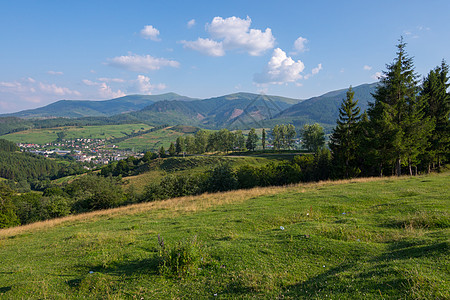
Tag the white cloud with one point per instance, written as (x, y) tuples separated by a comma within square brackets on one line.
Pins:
[(138, 63), (233, 33), (205, 46), (142, 85), (89, 82), (29, 90), (317, 69), (105, 91), (280, 69), (57, 90), (55, 73), (150, 32), (104, 79), (367, 68), (191, 23), (300, 44), (314, 71), (377, 75)]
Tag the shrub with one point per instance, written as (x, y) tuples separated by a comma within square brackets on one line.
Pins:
[(181, 259)]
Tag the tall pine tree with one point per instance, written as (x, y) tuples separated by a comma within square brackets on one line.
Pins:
[(396, 112), (437, 108), (344, 140)]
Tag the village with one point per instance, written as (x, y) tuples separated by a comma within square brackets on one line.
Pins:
[(95, 151)]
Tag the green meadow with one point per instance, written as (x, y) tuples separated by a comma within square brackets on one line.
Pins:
[(378, 238), (48, 135)]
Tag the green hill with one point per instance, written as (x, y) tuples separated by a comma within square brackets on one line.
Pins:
[(325, 109), (362, 239), (86, 108)]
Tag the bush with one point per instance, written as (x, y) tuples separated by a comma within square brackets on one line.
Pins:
[(93, 192), (222, 178), (181, 259)]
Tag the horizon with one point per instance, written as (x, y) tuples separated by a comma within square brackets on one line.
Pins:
[(295, 50), (191, 98)]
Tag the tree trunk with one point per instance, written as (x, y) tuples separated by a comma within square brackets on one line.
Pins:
[(410, 168), (398, 167)]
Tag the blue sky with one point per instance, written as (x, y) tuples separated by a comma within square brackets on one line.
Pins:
[(53, 50)]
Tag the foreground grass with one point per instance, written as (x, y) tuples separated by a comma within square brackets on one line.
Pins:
[(362, 239)]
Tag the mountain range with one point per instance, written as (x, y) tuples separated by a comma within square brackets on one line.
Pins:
[(239, 110)]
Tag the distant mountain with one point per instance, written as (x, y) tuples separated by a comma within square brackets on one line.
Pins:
[(87, 108), (218, 112), (325, 109), (234, 111)]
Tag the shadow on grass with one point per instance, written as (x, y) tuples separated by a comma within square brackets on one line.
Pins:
[(133, 267), (5, 289), (407, 250), (380, 280)]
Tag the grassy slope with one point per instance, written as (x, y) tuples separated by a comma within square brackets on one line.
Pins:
[(151, 141), (392, 242), (48, 135)]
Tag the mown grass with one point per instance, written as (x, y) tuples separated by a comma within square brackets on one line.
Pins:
[(361, 239), (48, 135)]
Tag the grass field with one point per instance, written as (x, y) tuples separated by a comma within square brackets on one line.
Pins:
[(151, 141), (48, 135), (361, 239)]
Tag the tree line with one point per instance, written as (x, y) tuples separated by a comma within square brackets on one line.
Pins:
[(406, 128)]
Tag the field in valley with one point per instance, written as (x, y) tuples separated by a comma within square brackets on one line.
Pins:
[(48, 135), (378, 238)]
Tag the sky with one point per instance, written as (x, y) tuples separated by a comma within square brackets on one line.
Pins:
[(97, 50)]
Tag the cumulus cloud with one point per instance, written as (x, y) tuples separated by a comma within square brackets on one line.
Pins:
[(367, 68), (205, 46), (233, 33), (142, 85), (150, 32), (55, 73), (141, 63), (105, 91), (191, 23), (300, 44), (280, 69)]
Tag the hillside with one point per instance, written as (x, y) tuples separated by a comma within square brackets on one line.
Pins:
[(218, 112), (234, 111), (367, 238), (86, 108), (325, 108)]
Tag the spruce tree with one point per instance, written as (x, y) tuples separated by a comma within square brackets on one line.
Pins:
[(395, 111), (344, 140), (437, 108), (263, 139)]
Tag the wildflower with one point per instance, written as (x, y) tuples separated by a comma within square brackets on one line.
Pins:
[(281, 227)]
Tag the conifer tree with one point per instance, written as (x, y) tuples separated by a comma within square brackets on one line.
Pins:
[(344, 140), (437, 108), (395, 112), (263, 139)]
